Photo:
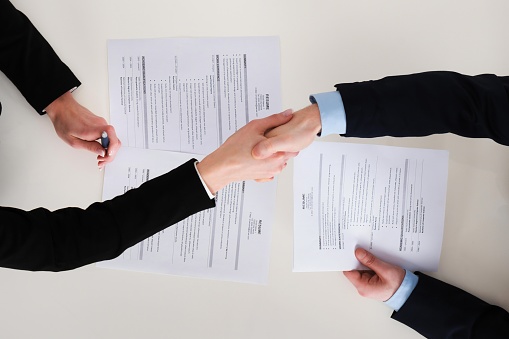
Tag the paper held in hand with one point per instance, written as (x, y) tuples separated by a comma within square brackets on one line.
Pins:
[(388, 200)]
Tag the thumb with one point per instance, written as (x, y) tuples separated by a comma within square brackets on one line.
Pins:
[(263, 149), (369, 260), (267, 147)]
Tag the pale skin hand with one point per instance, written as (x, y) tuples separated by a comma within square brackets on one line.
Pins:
[(233, 161), (293, 136), (80, 128), (381, 282)]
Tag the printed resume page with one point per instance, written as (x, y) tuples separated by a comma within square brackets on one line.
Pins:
[(228, 242), (388, 200), (190, 94)]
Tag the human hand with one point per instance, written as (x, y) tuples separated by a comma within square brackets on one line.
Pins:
[(233, 161), (381, 282), (80, 128), (292, 136)]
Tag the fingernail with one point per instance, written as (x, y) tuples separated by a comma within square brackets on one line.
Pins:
[(360, 253), (288, 112), (102, 154)]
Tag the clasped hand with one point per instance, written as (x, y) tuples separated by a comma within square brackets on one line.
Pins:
[(293, 136), (233, 160)]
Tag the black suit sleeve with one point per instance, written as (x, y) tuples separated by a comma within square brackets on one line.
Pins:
[(428, 103), (424, 104), (73, 237), (29, 62), (438, 310)]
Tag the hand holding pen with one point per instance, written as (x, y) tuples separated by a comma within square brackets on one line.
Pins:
[(105, 141), (80, 128)]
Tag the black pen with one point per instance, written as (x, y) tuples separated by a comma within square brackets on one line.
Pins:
[(105, 141)]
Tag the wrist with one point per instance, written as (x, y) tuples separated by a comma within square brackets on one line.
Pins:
[(212, 174), (312, 118), (57, 105), (205, 187)]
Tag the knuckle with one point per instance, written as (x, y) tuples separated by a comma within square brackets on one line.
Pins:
[(254, 123), (109, 128), (268, 146), (279, 156), (370, 259)]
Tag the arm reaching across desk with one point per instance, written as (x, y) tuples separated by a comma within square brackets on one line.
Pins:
[(401, 106), (73, 237), (433, 308)]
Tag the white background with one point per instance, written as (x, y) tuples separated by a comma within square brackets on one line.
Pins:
[(322, 43)]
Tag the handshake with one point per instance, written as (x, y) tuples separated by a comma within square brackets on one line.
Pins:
[(260, 150)]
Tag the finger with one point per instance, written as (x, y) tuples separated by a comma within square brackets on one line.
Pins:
[(274, 120), (102, 162), (91, 146), (264, 180), (115, 143), (366, 258), (284, 113), (362, 281), (361, 276), (113, 147), (269, 146), (290, 155), (263, 149), (279, 161), (353, 276), (359, 279)]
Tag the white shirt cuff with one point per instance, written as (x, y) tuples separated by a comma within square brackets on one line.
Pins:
[(211, 196)]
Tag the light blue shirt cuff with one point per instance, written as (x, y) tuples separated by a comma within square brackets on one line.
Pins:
[(400, 297), (332, 112)]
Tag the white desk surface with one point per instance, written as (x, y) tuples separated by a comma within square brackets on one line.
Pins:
[(322, 43)]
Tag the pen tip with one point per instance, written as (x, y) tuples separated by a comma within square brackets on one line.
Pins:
[(104, 134)]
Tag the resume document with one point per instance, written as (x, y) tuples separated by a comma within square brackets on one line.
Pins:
[(388, 200)]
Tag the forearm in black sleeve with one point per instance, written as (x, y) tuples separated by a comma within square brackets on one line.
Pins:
[(29, 62), (73, 237), (438, 310), (428, 103)]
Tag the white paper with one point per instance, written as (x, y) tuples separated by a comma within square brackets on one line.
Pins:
[(228, 242), (389, 200), (191, 94)]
